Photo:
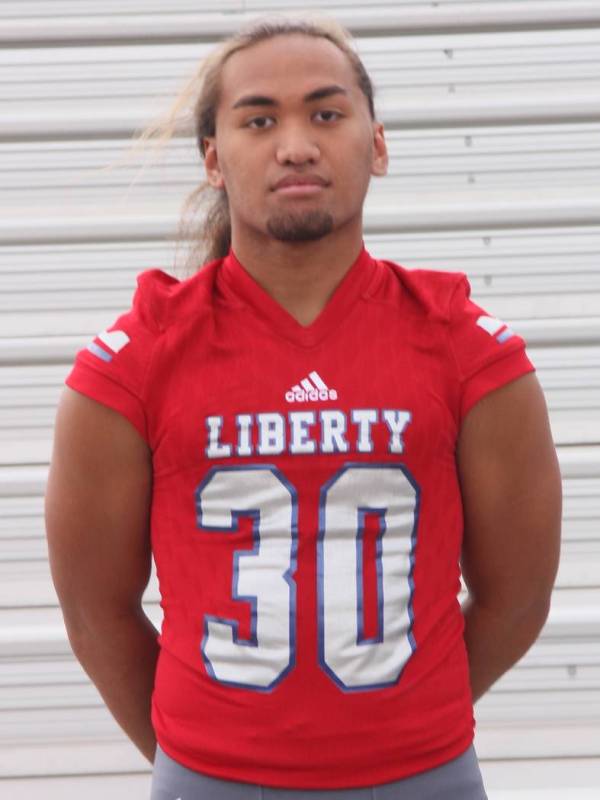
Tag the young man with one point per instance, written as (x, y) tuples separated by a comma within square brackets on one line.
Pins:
[(307, 439)]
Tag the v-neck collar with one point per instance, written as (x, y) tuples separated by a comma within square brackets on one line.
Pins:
[(238, 284)]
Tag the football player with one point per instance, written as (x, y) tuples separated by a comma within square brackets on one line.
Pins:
[(311, 441)]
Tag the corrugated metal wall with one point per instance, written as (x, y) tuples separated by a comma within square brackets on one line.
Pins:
[(493, 120)]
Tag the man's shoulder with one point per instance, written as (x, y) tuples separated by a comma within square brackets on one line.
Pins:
[(429, 293), (168, 301)]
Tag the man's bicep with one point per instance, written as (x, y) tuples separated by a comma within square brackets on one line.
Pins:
[(97, 512), (511, 490)]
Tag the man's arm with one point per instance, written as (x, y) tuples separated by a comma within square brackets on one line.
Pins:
[(97, 522), (511, 488)]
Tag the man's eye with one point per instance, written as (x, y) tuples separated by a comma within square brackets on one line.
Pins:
[(330, 116), (259, 123)]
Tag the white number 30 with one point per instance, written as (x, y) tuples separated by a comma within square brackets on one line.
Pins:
[(263, 578)]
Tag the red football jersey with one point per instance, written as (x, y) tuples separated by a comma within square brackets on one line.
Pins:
[(306, 515)]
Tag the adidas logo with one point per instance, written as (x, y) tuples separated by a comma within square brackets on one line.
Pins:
[(114, 341), (495, 327), (309, 389)]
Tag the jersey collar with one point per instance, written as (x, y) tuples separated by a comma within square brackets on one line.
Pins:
[(238, 285)]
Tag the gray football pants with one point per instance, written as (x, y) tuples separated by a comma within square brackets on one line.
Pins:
[(458, 779)]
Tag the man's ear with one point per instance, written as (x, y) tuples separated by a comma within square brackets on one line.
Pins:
[(379, 165), (211, 164)]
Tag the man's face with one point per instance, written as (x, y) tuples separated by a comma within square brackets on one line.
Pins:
[(291, 110)]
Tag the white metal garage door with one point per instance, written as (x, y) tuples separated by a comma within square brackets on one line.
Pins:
[(493, 118)]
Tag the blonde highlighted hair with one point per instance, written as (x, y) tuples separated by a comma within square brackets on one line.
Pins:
[(205, 221)]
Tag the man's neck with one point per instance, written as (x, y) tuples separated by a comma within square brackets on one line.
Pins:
[(300, 276)]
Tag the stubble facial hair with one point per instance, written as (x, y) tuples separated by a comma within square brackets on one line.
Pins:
[(304, 227)]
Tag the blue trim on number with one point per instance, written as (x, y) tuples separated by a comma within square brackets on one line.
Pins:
[(413, 545), (360, 553), (236, 515), (320, 574)]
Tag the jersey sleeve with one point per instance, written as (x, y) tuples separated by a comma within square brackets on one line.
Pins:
[(487, 352), (113, 368)]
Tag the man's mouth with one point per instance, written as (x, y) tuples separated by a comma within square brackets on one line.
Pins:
[(309, 184)]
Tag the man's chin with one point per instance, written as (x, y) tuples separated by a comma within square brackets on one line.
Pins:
[(301, 227)]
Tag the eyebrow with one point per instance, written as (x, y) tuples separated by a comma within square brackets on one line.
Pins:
[(262, 100)]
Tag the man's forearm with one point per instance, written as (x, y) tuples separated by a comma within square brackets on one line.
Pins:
[(496, 640), (120, 658)]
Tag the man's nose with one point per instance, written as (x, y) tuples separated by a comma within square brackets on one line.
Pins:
[(296, 146)]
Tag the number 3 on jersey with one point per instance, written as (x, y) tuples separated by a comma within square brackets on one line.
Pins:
[(262, 576)]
